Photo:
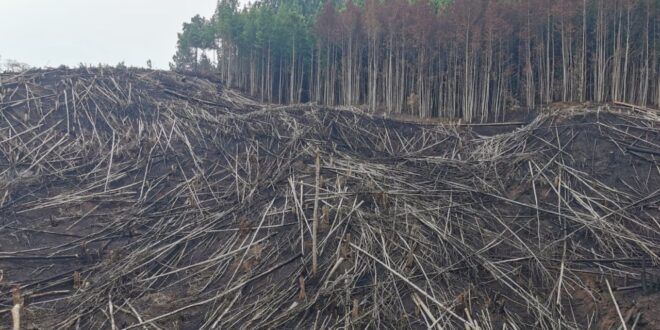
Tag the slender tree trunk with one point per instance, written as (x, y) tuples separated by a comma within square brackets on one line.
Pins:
[(293, 72)]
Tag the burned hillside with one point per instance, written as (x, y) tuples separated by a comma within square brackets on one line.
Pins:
[(145, 199)]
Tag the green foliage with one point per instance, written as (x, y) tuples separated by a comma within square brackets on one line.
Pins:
[(198, 34), (278, 24), (452, 57), (441, 3)]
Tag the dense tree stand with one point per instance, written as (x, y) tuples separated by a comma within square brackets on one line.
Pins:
[(465, 59)]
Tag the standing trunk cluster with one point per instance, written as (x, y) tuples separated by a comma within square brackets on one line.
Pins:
[(464, 59)]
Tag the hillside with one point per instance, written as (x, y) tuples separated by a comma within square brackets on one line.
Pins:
[(145, 199)]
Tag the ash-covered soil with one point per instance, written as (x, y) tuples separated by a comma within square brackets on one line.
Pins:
[(143, 199)]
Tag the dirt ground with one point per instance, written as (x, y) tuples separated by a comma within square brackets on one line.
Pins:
[(146, 199)]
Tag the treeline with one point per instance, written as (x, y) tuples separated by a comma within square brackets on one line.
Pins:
[(469, 59)]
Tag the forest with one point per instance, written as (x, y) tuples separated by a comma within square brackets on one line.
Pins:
[(337, 164), (462, 59)]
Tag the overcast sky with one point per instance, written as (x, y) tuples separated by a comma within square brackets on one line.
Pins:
[(54, 32)]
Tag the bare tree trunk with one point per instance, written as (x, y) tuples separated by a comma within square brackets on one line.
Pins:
[(583, 67), (293, 72)]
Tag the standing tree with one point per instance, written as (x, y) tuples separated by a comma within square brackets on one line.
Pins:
[(469, 59)]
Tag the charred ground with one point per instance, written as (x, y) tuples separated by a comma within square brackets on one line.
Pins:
[(138, 198)]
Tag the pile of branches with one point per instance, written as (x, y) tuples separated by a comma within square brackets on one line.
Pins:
[(142, 199)]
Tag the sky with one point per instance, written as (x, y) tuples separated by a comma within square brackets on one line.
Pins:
[(70, 32)]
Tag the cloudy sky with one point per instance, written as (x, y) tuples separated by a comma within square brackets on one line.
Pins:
[(54, 32)]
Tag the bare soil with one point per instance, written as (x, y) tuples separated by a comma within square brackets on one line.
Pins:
[(145, 199)]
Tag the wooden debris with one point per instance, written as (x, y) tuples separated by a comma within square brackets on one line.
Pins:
[(152, 187)]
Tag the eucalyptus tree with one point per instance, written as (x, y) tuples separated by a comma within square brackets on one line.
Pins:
[(469, 59)]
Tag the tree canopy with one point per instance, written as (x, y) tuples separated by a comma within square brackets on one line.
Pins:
[(470, 59)]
